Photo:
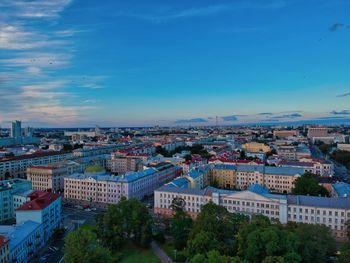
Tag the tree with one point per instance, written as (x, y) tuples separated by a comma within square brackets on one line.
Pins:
[(273, 259), (180, 227), (316, 243), (307, 184), (262, 240), (128, 220), (82, 246), (201, 243), (345, 253), (215, 221)]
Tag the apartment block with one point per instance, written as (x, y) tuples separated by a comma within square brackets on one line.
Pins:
[(44, 208), (16, 166), (96, 189), (9, 188), (51, 176)]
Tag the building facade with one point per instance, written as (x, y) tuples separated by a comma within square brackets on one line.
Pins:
[(25, 240), (44, 208), (9, 188), (51, 177), (16, 167), (333, 212)]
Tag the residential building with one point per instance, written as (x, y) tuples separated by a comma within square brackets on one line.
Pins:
[(51, 176), (341, 190), (285, 133), (287, 152), (256, 147), (320, 167), (223, 175), (16, 166), (123, 164), (317, 132), (25, 240), (8, 189), (4, 249), (44, 208)]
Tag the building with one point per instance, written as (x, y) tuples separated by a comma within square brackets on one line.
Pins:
[(317, 132), (8, 189), (25, 240), (332, 212), (4, 249), (256, 147), (51, 176), (198, 177), (277, 179), (44, 208), (223, 176), (320, 167), (123, 164), (285, 133), (341, 190), (16, 129), (344, 146), (16, 166), (287, 152)]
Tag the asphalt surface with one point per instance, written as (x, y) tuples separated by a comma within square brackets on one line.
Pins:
[(73, 218), (340, 171)]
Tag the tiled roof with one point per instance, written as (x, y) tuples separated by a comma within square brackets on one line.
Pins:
[(39, 201)]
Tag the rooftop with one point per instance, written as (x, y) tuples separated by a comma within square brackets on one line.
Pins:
[(319, 201), (39, 201), (342, 189), (18, 233)]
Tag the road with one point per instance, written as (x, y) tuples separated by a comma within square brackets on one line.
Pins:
[(72, 219), (340, 171)]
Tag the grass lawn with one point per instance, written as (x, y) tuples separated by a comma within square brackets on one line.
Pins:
[(133, 254)]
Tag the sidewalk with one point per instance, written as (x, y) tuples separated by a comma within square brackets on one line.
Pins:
[(160, 253)]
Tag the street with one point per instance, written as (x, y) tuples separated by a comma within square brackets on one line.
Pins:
[(73, 218)]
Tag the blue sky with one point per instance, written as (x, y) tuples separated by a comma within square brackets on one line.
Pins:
[(68, 63)]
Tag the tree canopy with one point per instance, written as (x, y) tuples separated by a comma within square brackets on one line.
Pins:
[(308, 184), (81, 246)]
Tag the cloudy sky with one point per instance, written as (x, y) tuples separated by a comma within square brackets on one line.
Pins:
[(69, 63)]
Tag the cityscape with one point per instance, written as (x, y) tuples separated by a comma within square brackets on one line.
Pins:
[(174, 131)]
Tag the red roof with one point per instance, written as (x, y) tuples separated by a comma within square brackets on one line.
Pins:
[(3, 240), (39, 201), (33, 155)]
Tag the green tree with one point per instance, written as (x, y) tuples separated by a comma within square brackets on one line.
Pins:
[(316, 243), (82, 246), (345, 253), (217, 222), (201, 243), (180, 227), (308, 184), (273, 259), (127, 220), (259, 240)]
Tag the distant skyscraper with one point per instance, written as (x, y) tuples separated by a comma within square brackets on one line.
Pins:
[(16, 129)]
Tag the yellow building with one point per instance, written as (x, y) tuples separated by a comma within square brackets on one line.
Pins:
[(256, 147), (223, 175)]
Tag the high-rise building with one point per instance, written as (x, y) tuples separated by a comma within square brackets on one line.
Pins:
[(16, 129)]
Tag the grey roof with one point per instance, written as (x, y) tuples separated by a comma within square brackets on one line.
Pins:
[(127, 178), (284, 170), (317, 201)]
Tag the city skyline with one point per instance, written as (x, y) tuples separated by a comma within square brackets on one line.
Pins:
[(69, 63)]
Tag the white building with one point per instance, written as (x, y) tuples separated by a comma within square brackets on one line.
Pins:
[(332, 212)]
